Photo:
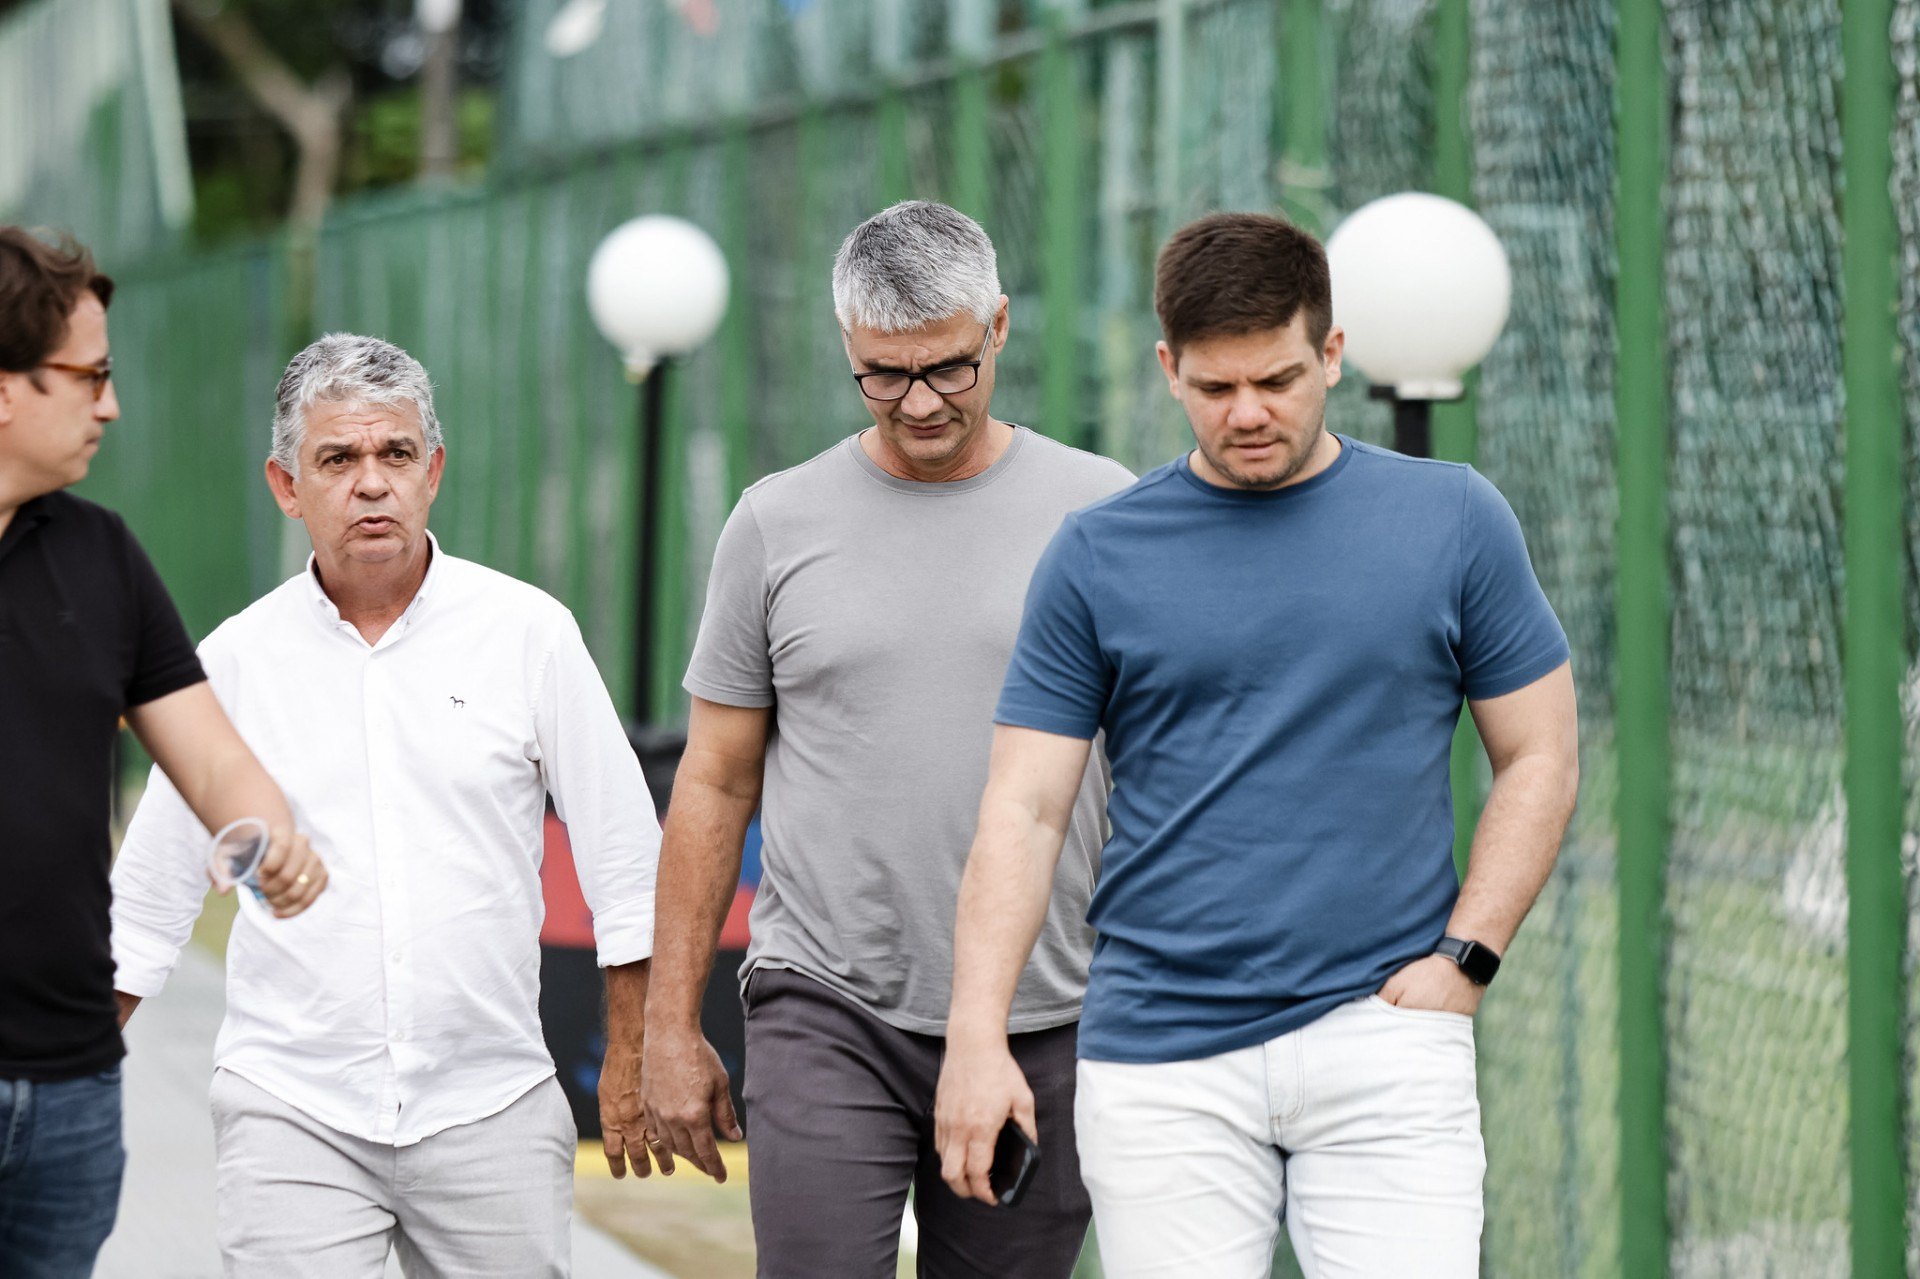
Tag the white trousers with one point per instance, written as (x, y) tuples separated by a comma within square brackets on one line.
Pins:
[(1361, 1128), (491, 1199)]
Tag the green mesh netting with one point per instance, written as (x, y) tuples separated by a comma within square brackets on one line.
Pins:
[(1381, 138), (1906, 186), (1756, 979), (1540, 112)]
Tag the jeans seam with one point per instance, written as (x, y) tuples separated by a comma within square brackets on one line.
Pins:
[(10, 1141)]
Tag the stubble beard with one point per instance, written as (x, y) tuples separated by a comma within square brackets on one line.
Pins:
[(1257, 483)]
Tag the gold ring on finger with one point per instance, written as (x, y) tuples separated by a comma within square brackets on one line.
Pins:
[(301, 879)]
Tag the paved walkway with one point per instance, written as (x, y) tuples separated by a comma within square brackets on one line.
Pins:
[(165, 1229)]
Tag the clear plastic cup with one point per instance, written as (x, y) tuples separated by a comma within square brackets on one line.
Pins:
[(236, 853)]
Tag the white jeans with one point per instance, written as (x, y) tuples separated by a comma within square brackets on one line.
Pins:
[(1363, 1128)]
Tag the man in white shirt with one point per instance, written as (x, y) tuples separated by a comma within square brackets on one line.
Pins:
[(380, 1080)]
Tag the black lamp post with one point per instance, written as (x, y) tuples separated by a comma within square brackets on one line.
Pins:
[(657, 288), (646, 529), (1412, 421)]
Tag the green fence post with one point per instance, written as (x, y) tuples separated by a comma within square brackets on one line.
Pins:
[(1456, 434), (894, 179), (736, 331), (1062, 395), (970, 36), (1304, 175), (1644, 622), (1873, 652)]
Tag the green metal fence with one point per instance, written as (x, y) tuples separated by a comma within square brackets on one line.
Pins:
[(1705, 408), (90, 115)]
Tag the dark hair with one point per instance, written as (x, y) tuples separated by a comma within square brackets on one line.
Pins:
[(1232, 273), (40, 284)]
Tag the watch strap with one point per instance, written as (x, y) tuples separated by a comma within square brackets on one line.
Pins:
[(1477, 961)]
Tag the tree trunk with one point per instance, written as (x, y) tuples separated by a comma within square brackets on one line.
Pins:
[(310, 114)]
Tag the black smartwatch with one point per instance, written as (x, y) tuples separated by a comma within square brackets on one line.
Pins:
[(1478, 962)]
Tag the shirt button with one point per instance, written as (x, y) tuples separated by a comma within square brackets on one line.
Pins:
[(395, 956), (400, 1036)]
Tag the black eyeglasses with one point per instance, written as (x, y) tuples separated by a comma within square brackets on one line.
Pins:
[(98, 374), (949, 379)]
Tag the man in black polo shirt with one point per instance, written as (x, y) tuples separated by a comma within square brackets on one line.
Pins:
[(87, 635)]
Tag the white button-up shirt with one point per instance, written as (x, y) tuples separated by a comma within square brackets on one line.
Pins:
[(405, 1000)]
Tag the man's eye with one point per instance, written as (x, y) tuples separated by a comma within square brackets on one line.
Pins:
[(335, 461)]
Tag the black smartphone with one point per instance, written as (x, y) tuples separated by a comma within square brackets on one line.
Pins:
[(1014, 1160)]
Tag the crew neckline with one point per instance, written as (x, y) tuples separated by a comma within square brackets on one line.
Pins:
[(1183, 467), (937, 488)]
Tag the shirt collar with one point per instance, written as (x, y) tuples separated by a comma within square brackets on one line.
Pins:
[(324, 603)]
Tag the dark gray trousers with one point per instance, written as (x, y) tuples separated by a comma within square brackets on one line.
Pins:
[(840, 1123)]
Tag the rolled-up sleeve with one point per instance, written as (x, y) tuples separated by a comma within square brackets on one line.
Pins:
[(159, 883), (599, 792)]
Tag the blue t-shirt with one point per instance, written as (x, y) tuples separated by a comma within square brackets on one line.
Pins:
[(1279, 675)]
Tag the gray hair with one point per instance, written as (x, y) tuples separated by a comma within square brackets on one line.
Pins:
[(912, 265), (343, 368)]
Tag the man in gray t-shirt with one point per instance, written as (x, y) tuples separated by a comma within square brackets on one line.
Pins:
[(859, 619)]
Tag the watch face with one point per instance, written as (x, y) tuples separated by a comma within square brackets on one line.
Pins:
[(1478, 963)]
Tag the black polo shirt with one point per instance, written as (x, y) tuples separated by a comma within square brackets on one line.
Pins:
[(86, 631)]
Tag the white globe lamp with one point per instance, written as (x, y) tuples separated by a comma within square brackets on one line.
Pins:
[(1421, 286), (657, 288)]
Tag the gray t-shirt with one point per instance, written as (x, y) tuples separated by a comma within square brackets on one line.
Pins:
[(877, 615)]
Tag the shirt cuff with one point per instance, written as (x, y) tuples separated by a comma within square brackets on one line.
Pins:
[(141, 962), (623, 933)]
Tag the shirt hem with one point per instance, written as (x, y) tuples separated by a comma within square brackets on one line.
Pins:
[(1018, 1024), (66, 1071), (726, 696), (164, 686), (1059, 726), (279, 1094), (1519, 677)]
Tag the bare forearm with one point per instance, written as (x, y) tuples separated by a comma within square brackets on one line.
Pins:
[(202, 754), (234, 785), (1003, 902), (626, 1002), (699, 872), (1514, 847)]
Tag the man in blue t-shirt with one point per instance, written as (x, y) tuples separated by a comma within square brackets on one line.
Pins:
[(1276, 633)]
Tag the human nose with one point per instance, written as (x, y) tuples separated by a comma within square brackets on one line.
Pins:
[(369, 480), (107, 407), (1247, 409), (921, 400)]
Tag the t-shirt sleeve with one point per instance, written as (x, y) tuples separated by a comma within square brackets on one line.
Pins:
[(164, 660), (1509, 636), (1059, 679), (731, 663)]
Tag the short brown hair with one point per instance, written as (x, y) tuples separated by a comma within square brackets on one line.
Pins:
[(40, 284), (1231, 273)]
